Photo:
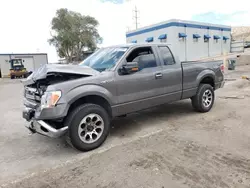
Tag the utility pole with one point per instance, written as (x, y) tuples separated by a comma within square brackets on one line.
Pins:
[(135, 16)]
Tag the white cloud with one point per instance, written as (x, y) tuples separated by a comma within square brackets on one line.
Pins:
[(26, 24)]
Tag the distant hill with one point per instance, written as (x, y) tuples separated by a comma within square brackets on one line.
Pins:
[(241, 33)]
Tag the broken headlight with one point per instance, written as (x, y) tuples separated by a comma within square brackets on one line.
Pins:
[(50, 99)]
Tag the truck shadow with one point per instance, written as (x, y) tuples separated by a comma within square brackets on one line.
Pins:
[(132, 124), (129, 125)]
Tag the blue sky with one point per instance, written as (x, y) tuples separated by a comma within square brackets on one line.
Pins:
[(26, 23), (220, 18)]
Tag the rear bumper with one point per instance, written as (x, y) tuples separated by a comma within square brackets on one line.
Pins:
[(219, 85)]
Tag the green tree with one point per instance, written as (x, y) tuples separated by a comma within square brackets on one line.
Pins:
[(72, 32)]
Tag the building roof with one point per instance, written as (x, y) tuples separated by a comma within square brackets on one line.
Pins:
[(177, 23), (137, 44), (24, 54)]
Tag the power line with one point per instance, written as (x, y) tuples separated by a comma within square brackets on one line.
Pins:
[(135, 16)]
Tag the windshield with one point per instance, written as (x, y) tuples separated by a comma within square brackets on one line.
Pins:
[(17, 62), (104, 59)]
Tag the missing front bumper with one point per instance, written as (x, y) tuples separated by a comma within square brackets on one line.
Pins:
[(40, 126), (43, 128)]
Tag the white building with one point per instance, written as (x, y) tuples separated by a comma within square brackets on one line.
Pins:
[(190, 40), (30, 61)]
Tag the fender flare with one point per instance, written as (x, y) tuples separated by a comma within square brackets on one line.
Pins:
[(204, 74), (87, 90)]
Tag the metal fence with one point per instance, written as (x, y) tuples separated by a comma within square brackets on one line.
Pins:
[(237, 46)]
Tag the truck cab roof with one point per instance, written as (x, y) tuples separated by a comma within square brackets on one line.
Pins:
[(138, 45)]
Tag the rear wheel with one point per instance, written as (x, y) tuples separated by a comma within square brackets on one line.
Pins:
[(204, 99), (12, 77), (89, 126)]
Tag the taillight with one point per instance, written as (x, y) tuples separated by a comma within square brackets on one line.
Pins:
[(222, 68)]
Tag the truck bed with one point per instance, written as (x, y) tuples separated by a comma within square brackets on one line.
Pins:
[(195, 70)]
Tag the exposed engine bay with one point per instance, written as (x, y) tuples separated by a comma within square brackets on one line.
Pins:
[(50, 74), (35, 86), (53, 78)]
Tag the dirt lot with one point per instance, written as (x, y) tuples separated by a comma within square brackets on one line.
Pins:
[(169, 146)]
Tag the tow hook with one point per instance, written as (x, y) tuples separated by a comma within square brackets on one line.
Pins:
[(31, 128)]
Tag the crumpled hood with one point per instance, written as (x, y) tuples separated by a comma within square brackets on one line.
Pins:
[(47, 69)]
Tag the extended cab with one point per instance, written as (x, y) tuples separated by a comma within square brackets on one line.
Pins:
[(79, 101)]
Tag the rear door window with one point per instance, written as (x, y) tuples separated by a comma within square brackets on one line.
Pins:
[(166, 55)]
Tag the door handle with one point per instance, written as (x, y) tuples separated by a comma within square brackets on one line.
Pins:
[(158, 75)]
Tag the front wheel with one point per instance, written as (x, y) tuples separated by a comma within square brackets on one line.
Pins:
[(89, 126), (204, 99)]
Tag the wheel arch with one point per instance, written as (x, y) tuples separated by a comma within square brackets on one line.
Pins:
[(206, 77), (94, 99), (90, 94)]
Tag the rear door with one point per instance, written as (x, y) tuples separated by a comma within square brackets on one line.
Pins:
[(171, 74), (142, 89)]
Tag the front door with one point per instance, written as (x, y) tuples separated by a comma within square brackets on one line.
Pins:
[(141, 89)]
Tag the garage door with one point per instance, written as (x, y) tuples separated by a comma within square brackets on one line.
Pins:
[(28, 63)]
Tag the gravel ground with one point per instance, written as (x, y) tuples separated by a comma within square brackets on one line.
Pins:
[(168, 146)]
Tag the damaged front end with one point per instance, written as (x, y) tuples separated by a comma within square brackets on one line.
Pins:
[(43, 108)]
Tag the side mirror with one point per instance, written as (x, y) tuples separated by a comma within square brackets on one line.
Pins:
[(129, 68)]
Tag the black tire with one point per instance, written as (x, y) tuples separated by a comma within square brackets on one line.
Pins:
[(12, 77), (73, 122), (197, 100)]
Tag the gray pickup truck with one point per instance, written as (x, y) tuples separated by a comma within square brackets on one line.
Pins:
[(79, 101)]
